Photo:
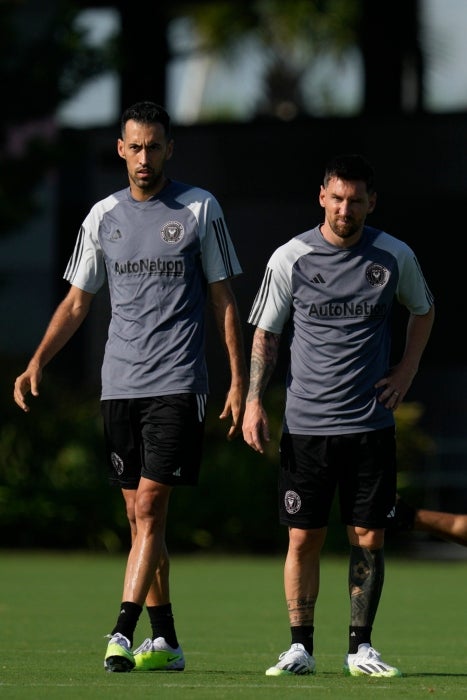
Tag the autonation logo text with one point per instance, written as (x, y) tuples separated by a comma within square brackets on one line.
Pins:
[(348, 310), (159, 266)]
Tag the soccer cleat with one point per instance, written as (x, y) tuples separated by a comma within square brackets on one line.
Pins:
[(295, 661), (118, 657), (367, 662), (157, 655)]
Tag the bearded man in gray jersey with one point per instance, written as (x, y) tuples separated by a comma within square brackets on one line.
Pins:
[(334, 287), (163, 247)]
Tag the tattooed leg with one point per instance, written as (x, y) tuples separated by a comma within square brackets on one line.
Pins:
[(366, 577), (301, 573), (301, 611), (301, 582)]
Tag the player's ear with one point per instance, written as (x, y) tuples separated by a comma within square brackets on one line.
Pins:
[(170, 149), (120, 149), (372, 202), (322, 194)]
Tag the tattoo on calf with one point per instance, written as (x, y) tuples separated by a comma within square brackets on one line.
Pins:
[(366, 576), (301, 611)]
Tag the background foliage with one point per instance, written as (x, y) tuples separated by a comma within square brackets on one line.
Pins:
[(54, 491)]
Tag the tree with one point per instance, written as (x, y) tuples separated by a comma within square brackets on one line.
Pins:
[(44, 59), (388, 37), (142, 52), (295, 36), (290, 37)]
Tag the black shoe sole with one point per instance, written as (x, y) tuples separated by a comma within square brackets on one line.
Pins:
[(118, 664)]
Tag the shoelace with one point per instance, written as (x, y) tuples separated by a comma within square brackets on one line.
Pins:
[(144, 646)]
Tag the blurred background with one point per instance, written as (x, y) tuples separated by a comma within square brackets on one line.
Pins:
[(262, 93)]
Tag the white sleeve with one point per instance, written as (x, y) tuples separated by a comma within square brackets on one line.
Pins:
[(273, 302), (86, 267), (218, 255)]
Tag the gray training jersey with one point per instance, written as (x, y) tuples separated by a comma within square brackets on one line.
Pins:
[(338, 303), (158, 257)]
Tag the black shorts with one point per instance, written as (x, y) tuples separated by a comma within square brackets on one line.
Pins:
[(360, 466), (160, 438)]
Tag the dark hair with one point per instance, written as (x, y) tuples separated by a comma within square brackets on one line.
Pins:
[(351, 166), (146, 113)]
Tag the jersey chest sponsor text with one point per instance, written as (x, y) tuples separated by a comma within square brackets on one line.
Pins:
[(348, 309), (158, 266)]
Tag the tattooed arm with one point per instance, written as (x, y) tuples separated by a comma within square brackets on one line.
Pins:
[(264, 353)]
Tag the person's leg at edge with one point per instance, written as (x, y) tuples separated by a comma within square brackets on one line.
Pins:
[(448, 526), (451, 527)]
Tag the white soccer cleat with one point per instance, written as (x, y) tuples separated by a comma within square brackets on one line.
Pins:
[(294, 661), (367, 662)]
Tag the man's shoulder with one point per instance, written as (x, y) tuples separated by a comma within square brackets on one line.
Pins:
[(289, 252), (387, 241), (183, 189), (310, 237), (102, 206), (301, 242)]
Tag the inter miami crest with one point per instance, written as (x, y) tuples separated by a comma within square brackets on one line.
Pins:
[(172, 232), (377, 275)]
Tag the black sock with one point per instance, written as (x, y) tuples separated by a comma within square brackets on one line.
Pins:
[(162, 623), (303, 634), (358, 635), (127, 620)]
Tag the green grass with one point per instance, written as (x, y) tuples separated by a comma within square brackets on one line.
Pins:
[(55, 610)]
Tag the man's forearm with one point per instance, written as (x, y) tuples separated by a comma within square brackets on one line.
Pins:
[(264, 353)]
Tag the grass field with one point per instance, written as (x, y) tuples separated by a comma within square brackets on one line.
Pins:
[(55, 610)]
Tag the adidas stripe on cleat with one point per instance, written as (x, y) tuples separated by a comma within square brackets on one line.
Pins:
[(295, 661), (367, 662)]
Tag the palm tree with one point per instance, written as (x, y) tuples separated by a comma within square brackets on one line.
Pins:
[(294, 36)]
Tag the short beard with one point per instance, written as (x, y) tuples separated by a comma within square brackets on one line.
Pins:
[(348, 233)]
